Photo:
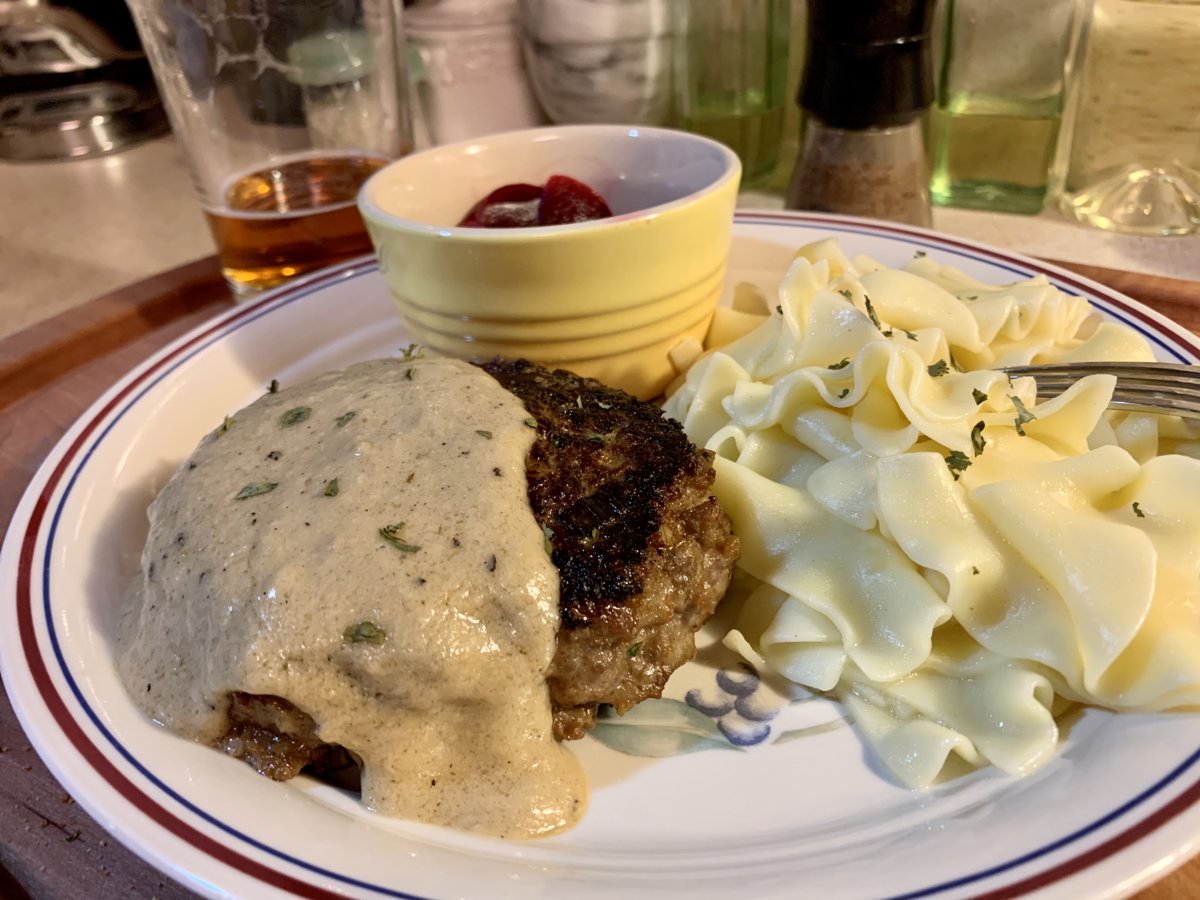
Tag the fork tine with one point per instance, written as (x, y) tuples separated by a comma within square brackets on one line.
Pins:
[(1146, 387)]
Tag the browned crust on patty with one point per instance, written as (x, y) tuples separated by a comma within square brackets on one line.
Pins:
[(643, 549)]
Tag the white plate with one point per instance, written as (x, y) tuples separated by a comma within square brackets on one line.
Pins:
[(1116, 808)]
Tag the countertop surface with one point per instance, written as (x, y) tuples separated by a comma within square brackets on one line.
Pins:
[(70, 231)]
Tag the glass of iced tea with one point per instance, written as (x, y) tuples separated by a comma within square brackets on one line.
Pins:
[(283, 109)]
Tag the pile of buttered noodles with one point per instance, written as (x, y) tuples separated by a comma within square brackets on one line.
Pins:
[(953, 561)]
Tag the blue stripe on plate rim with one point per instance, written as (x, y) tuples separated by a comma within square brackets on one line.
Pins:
[(293, 293)]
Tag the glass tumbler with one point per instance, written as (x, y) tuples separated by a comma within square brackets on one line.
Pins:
[(730, 62), (1133, 163), (282, 109)]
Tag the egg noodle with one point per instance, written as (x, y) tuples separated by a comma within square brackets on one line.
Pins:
[(953, 561)]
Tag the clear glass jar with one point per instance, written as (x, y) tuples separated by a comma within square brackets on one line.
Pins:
[(1133, 161), (731, 62)]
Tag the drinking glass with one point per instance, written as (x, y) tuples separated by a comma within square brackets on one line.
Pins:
[(282, 109), (731, 61), (1133, 163)]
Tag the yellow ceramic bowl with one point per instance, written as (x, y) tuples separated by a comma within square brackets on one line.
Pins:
[(609, 298)]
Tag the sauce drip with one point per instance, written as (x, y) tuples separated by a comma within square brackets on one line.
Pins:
[(363, 547)]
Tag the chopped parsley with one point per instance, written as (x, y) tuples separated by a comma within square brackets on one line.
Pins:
[(845, 361), (634, 650), (779, 309), (974, 570), (295, 416), (958, 462), (254, 488), (938, 369), (530, 422), (364, 633), (408, 374), (844, 392), (273, 387), (845, 292), (411, 352), (1023, 415), (1137, 510), (486, 435), (871, 312), (391, 534), (331, 488), (978, 396), (919, 254), (908, 334), (225, 425), (977, 442)]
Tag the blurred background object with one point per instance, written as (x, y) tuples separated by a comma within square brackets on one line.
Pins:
[(1133, 161), (73, 81), (471, 80), (283, 108), (599, 61), (866, 86), (730, 65), (1000, 93)]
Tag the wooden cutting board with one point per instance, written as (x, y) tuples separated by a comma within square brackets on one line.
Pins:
[(49, 374)]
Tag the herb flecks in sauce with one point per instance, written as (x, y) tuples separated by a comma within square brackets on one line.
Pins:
[(391, 534), (254, 488), (486, 435), (634, 650), (978, 396), (840, 364), (273, 387), (364, 633), (331, 488), (1137, 510), (938, 369), (533, 784), (344, 419), (295, 416)]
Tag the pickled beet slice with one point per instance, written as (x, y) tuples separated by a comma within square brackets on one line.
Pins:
[(566, 200), (511, 206)]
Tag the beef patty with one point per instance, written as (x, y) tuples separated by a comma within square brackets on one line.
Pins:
[(643, 549)]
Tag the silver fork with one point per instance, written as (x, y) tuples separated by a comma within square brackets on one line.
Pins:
[(1166, 388)]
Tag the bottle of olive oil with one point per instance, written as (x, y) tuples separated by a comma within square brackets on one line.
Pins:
[(1000, 94)]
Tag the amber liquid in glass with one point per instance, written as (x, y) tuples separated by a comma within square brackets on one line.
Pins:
[(288, 219)]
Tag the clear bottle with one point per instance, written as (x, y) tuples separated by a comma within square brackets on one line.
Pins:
[(866, 87), (1133, 162), (996, 120), (731, 60)]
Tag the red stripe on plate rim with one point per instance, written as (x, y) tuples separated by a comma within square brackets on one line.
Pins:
[(147, 805)]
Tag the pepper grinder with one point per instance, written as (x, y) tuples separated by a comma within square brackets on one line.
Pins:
[(866, 86)]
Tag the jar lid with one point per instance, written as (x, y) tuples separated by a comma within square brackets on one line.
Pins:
[(868, 62)]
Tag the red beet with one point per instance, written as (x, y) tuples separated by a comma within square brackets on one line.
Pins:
[(566, 200), (511, 206), (563, 201)]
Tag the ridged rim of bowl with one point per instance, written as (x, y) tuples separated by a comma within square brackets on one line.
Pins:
[(371, 210)]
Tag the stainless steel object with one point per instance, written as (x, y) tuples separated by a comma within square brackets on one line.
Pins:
[(1143, 387), (73, 81)]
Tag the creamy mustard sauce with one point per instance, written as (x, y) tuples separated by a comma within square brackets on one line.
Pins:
[(424, 650)]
